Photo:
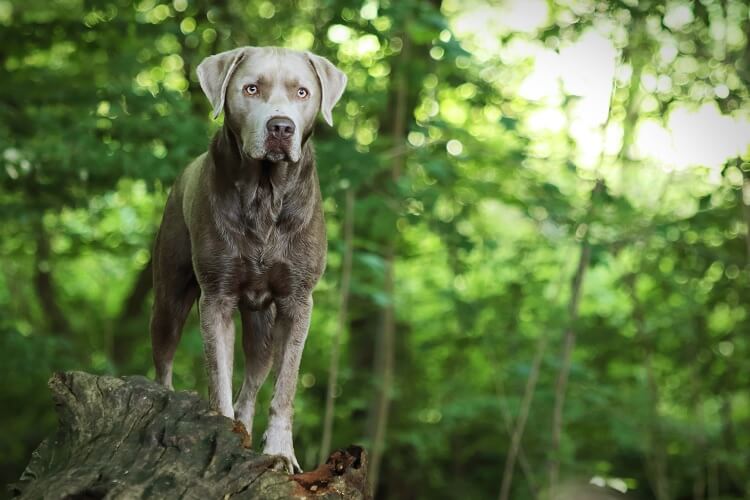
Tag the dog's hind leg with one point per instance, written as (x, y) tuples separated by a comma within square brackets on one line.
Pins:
[(175, 290), (169, 315), (257, 343)]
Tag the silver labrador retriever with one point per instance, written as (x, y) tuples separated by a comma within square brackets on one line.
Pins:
[(243, 229)]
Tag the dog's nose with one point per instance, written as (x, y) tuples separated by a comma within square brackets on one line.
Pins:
[(280, 128)]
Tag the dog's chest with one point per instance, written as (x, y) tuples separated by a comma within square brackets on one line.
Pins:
[(262, 271), (260, 281), (259, 206)]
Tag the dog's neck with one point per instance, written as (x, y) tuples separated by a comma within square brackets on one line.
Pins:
[(261, 193)]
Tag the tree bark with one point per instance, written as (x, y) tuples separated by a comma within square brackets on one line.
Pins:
[(333, 372), (131, 438)]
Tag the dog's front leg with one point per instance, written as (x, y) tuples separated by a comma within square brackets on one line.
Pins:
[(291, 326), (257, 342), (217, 329)]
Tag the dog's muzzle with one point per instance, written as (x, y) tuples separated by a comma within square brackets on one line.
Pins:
[(280, 131)]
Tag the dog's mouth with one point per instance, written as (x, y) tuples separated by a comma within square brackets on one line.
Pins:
[(276, 156), (273, 150), (277, 150)]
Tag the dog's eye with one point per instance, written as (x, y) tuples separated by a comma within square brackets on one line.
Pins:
[(302, 92), (250, 89)]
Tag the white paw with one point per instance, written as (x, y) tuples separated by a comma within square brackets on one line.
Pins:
[(279, 442)]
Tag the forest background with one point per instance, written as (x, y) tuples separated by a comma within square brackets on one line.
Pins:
[(538, 212)]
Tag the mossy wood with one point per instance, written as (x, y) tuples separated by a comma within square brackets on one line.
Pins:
[(131, 438)]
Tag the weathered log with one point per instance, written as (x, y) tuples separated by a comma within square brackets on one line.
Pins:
[(131, 438)]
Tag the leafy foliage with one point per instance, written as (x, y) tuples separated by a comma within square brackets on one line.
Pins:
[(100, 109)]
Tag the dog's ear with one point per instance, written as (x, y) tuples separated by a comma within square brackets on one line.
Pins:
[(214, 73), (332, 84)]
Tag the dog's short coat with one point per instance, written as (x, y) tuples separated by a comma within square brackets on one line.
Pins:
[(243, 229)]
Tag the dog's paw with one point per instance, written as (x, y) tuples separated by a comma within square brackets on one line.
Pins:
[(279, 442)]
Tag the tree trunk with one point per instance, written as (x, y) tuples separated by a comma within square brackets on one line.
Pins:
[(44, 283), (131, 438), (583, 263), (515, 441), (131, 322), (568, 344), (745, 199), (656, 465), (333, 372), (516, 430), (516, 296), (387, 333)]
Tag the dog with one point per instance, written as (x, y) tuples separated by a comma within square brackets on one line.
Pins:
[(243, 229)]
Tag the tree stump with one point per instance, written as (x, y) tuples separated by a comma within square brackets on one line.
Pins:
[(131, 438)]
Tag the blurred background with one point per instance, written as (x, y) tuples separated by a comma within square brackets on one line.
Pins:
[(539, 260)]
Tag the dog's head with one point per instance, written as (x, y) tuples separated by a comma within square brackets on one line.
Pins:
[(271, 96)]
